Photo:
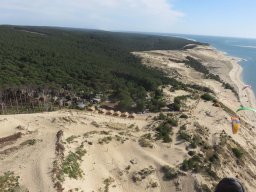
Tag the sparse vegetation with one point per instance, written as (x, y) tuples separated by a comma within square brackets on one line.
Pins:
[(153, 184), (214, 157), (71, 164), (208, 97), (182, 134), (183, 116), (183, 127), (205, 188), (237, 152), (8, 182), (161, 116), (71, 138), (198, 66), (195, 163), (29, 142), (146, 140), (120, 139), (172, 122), (195, 141), (94, 123), (105, 140), (191, 153), (107, 182), (87, 134), (210, 172), (142, 174)]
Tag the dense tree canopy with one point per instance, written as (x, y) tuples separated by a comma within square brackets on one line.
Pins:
[(81, 60)]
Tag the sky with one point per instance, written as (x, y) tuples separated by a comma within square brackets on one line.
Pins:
[(231, 18)]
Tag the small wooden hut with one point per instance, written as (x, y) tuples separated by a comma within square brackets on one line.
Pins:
[(125, 114), (132, 115), (117, 113), (102, 111), (92, 108), (110, 112)]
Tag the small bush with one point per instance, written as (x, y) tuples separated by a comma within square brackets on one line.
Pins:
[(161, 116), (183, 116), (146, 140), (183, 127), (28, 142), (184, 135), (214, 158), (191, 153), (175, 107), (143, 142), (71, 164), (194, 164), (142, 174), (208, 97), (105, 140), (71, 139), (172, 122), (163, 132), (211, 173), (94, 123), (169, 173), (195, 141), (8, 182), (237, 152), (205, 188)]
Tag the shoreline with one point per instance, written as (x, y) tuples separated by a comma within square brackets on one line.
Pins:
[(236, 77), (246, 97)]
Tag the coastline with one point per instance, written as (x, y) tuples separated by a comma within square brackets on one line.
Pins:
[(246, 97)]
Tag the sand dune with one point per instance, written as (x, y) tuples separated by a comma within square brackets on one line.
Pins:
[(108, 153)]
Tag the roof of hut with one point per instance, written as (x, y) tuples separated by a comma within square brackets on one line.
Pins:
[(117, 113)]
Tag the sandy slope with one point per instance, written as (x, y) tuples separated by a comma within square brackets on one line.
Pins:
[(34, 163), (230, 71)]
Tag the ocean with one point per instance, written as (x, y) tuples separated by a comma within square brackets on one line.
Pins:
[(237, 47)]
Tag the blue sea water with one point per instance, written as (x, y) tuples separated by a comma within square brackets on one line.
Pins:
[(238, 47)]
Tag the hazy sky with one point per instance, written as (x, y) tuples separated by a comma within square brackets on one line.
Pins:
[(206, 17)]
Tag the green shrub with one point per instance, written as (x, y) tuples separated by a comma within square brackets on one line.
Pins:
[(214, 158), (71, 164), (211, 173), (146, 141), (183, 116), (183, 127), (169, 173), (175, 107), (237, 152), (8, 182), (205, 188), (191, 153), (208, 97), (161, 116), (172, 122), (184, 135), (196, 140), (194, 164), (29, 142), (71, 138), (163, 132)]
